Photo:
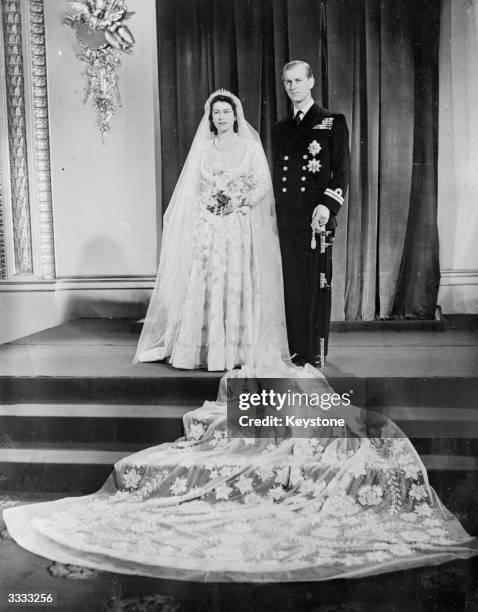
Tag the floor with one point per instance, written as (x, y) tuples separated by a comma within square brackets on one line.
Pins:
[(77, 382), (453, 353)]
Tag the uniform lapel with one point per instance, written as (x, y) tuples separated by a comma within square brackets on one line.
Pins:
[(310, 119), (293, 133)]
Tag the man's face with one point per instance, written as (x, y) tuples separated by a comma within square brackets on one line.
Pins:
[(297, 84)]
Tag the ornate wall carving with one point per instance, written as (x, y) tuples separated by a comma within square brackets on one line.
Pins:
[(3, 261), (17, 138), (41, 138)]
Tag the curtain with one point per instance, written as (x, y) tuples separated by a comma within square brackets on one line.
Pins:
[(458, 158), (373, 60)]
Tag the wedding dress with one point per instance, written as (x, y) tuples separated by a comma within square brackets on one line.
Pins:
[(305, 505), (215, 328), (218, 296)]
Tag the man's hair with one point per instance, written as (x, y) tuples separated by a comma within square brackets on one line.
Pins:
[(294, 64), (222, 98)]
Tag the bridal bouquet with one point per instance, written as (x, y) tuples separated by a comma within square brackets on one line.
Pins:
[(225, 195)]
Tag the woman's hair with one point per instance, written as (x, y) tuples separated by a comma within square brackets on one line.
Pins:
[(222, 98)]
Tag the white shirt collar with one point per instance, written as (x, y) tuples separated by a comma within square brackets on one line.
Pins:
[(304, 110)]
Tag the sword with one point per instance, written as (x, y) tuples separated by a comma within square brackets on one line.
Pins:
[(323, 285)]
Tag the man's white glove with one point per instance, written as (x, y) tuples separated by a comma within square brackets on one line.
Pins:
[(320, 217)]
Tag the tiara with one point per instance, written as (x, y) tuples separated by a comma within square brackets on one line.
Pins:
[(222, 92)]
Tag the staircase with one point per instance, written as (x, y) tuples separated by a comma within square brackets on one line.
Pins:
[(73, 405)]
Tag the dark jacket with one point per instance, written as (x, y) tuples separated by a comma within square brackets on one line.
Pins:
[(311, 166)]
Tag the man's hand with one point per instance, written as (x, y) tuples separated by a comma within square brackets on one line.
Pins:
[(320, 216)]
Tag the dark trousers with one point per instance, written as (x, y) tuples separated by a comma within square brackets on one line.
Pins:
[(307, 305)]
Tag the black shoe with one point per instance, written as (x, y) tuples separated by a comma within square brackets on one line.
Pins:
[(315, 361), (299, 360)]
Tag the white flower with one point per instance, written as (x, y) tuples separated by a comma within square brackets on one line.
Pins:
[(276, 493), (370, 495), (282, 475), (218, 434), (418, 492), (196, 431), (223, 491), (410, 517), (432, 522), (252, 498), (244, 484), (306, 487), (415, 536), (179, 486), (131, 479), (436, 531), (340, 505), (314, 166), (424, 510), (349, 560), (357, 469), (411, 471), (314, 148), (227, 471), (265, 473)]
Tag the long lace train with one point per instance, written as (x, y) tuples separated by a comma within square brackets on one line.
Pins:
[(212, 508)]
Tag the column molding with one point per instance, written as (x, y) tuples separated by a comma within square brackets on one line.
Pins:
[(26, 213), (40, 167), (17, 137)]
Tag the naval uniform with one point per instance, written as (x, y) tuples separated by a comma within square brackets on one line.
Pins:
[(311, 166)]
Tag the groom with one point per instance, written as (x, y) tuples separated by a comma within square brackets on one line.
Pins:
[(311, 163)]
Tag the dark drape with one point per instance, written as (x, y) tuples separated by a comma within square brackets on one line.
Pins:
[(375, 61)]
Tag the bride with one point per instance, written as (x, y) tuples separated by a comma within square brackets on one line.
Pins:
[(219, 292), (299, 506)]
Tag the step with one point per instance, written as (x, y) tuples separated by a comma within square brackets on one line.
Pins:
[(94, 424), (106, 457), (100, 424), (192, 390)]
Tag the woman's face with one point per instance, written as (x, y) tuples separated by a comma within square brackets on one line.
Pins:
[(223, 117)]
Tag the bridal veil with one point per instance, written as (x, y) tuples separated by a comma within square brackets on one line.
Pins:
[(161, 323)]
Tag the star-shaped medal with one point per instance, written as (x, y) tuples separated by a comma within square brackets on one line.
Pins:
[(314, 148), (314, 166)]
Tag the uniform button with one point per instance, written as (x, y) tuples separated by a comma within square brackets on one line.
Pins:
[(304, 167), (284, 178), (286, 157), (284, 189), (302, 189), (302, 178), (304, 156), (285, 168)]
